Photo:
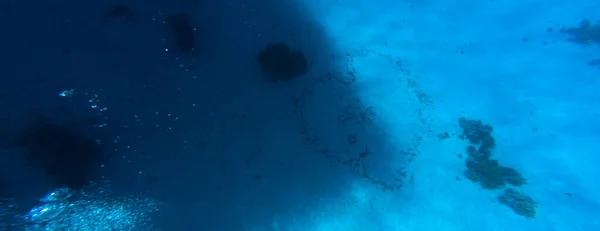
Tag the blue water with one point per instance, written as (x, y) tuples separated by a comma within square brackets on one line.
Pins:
[(367, 139)]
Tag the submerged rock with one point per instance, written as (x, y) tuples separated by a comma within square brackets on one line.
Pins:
[(182, 31), (280, 63)]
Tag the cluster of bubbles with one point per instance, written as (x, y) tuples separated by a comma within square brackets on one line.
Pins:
[(88, 209), (93, 100)]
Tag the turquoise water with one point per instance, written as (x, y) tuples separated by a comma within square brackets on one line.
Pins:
[(496, 61)]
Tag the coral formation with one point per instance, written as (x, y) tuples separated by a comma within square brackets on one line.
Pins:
[(477, 133), (280, 63), (587, 33), (490, 174), (481, 168), (521, 204)]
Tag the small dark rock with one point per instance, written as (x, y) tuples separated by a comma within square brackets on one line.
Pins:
[(182, 31), (280, 63), (353, 139), (363, 154), (443, 136)]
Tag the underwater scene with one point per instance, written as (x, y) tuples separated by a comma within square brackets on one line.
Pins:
[(300, 115)]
